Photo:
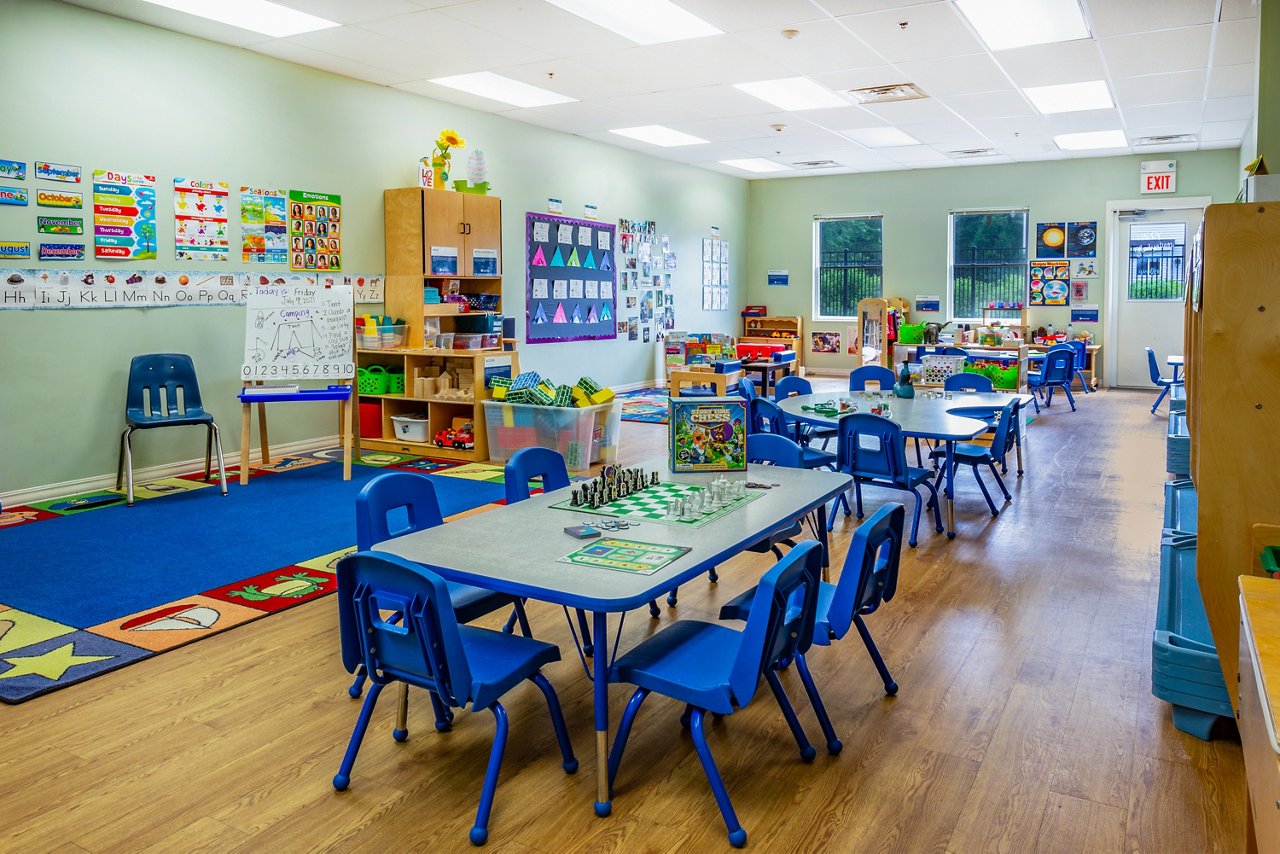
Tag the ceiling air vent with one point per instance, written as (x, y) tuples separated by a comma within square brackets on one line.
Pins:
[(1166, 139), (885, 94), (815, 164), (972, 152)]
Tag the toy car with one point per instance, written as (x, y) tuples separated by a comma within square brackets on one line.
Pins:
[(450, 438)]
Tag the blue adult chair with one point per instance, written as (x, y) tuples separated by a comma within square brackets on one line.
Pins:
[(859, 377), (462, 665), (714, 669), (1156, 379), (1057, 371), (381, 504), (1081, 361), (765, 416), (156, 381), (868, 578), (968, 382), (1002, 442), (870, 448)]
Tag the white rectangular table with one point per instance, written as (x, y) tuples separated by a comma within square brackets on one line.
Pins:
[(516, 550)]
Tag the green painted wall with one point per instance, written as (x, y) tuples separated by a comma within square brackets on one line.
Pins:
[(915, 206), (109, 93), (1268, 120)]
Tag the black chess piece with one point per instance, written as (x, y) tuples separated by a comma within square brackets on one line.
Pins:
[(576, 500)]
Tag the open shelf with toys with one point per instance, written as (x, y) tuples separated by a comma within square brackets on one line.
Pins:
[(788, 331)]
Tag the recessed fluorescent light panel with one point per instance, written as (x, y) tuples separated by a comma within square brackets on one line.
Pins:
[(1092, 139), (885, 137), (648, 22), (1070, 97), (659, 135), (495, 87), (260, 16), (793, 93), (1005, 24), (755, 164)]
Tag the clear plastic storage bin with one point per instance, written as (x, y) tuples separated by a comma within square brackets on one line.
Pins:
[(584, 435)]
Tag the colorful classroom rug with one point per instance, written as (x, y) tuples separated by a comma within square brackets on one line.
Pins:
[(648, 405), (88, 584)]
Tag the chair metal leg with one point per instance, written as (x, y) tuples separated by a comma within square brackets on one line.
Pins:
[(1000, 482), (712, 578), (444, 717), (343, 778), (919, 458), (890, 687), (915, 519), (208, 451), (937, 508), (673, 597), (568, 760), (480, 833), (737, 836), (857, 494), (517, 611), (834, 745), (128, 466), (120, 461), (1066, 389), (831, 519), (1163, 391), (587, 646), (789, 713), (987, 495), (654, 611), (222, 468), (401, 732), (357, 687), (624, 732)]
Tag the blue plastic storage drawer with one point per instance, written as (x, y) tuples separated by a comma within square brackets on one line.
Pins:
[(1180, 507), (1178, 398), (1178, 445)]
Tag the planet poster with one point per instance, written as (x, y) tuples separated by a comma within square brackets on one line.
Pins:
[(1082, 239), (1051, 240)]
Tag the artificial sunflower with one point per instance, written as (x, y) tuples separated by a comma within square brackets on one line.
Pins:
[(449, 139)]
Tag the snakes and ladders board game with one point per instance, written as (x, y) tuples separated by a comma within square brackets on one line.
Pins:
[(650, 505), (625, 556)]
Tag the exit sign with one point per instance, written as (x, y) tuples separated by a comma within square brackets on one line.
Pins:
[(1158, 176)]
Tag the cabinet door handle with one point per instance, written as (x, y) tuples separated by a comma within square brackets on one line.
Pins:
[(468, 231), (462, 228)]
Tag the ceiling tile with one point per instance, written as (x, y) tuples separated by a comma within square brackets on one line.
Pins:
[(1050, 64), (568, 77), (1117, 17), (689, 105), (1233, 81), (843, 118), (300, 55), (820, 46), (1235, 10), (753, 14), (169, 19), (957, 75), (1236, 42), (453, 42), (687, 64), (381, 51), (1000, 130), (1159, 88), (1022, 146), (793, 143), (576, 117), (1085, 120), (1180, 113), (744, 127), (915, 112), (1223, 131), (991, 105), (951, 132), (932, 30), (1229, 109), (704, 153), (912, 154), (1157, 52), (346, 12), (534, 23)]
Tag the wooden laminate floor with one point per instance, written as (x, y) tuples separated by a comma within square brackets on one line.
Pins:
[(1024, 721)]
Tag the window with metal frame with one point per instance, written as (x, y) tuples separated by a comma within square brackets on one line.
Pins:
[(848, 263), (1157, 260), (988, 259)]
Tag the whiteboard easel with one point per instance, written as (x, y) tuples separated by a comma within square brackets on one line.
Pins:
[(300, 331)]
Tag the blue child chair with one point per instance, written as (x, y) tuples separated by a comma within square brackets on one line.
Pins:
[(156, 381), (379, 508), (712, 668), (791, 386), (462, 665), (868, 578), (1158, 380), (746, 388), (1082, 360), (1057, 371), (1002, 442), (968, 382), (859, 377), (871, 449), (765, 416)]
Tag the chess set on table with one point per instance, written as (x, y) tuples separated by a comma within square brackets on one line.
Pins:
[(629, 494)]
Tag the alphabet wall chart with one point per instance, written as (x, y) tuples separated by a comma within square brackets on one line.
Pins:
[(123, 288), (570, 279)]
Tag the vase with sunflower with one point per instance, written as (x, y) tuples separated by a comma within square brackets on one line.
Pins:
[(441, 157)]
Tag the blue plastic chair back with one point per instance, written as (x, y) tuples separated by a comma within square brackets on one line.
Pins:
[(1005, 436), (789, 385), (955, 351), (1059, 365), (775, 450), (155, 381), (746, 388), (783, 612), (870, 573), (870, 446), (767, 417), (424, 649), (1154, 367), (968, 382), (859, 377), (1081, 353), (529, 463), (384, 497)]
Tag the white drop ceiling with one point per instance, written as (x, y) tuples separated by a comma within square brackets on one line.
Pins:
[(1173, 67)]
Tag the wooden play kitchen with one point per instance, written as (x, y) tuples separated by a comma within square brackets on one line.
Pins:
[(444, 280)]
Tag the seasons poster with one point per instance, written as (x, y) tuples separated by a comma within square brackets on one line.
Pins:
[(264, 226), (124, 216)]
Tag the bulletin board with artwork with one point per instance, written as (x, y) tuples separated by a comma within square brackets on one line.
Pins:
[(646, 298), (315, 231), (569, 279), (715, 274)]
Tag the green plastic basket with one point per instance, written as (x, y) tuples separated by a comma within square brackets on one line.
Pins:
[(395, 380), (911, 333), (1004, 377), (373, 380)]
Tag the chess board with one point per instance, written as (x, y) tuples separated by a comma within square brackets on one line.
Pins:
[(650, 505)]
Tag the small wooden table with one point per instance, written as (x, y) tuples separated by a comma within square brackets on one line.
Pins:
[(769, 372), (720, 382)]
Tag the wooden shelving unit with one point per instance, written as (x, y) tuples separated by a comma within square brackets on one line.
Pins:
[(1010, 318), (416, 221), (788, 331)]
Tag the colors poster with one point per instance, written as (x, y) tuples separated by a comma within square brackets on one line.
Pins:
[(315, 231), (264, 226), (124, 216), (200, 219)]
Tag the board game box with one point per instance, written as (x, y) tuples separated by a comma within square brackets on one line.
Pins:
[(707, 434)]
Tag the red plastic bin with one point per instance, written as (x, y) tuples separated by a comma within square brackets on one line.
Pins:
[(371, 421)]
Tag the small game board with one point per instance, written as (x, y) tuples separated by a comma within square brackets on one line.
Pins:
[(625, 556), (650, 505)]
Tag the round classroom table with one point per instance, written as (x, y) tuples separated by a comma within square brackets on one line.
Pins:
[(921, 417)]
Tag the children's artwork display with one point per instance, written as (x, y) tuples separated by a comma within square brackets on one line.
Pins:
[(315, 231), (1085, 269), (825, 342), (1050, 282), (1082, 239), (1051, 240), (707, 434), (715, 274), (264, 226), (124, 216), (200, 219), (569, 267)]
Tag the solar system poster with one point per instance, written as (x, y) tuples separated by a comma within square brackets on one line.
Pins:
[(1051, 240)]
